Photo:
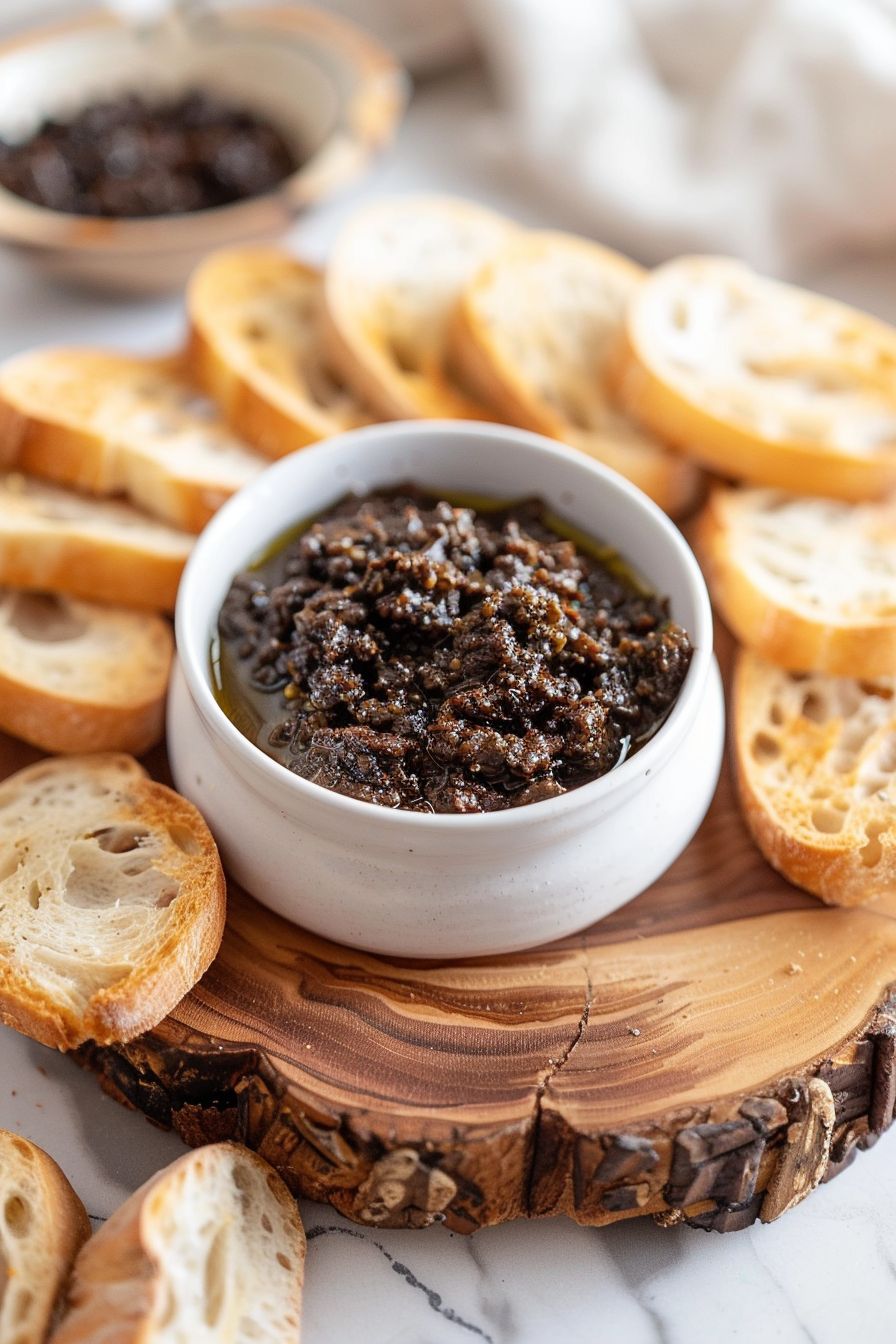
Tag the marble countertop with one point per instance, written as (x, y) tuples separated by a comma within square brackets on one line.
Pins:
[(825, 1273)]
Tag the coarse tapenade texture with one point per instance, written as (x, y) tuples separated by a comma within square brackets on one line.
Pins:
[(441, 659)]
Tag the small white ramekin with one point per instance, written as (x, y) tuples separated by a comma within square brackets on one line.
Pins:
[(413, 884)]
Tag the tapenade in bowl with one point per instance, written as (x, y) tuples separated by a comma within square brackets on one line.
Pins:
[(129, 150), (445, 689)]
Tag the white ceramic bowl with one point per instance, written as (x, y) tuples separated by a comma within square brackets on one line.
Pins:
[(420, 885)]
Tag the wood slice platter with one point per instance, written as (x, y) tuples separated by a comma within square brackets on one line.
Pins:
[(708, 1055)]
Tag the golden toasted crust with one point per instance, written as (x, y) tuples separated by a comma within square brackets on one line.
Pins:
[(393, 370), (254, 348), (482, 352), (52, 540), (726, 441), (60, 725), (56, 423), (262, 423), (110, 573), (502, 380), (188, 939), (57, 1228), (791, 639), (58, 452), (807, 777), (121, 1287), (64, 720)]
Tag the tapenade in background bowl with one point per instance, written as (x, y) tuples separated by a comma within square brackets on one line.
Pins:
[(129, 201), (400, 878)]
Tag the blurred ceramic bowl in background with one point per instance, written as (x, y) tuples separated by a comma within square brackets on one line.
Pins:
[(335, 94)]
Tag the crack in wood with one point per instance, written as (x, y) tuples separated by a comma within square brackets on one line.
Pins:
[(554, 1067)]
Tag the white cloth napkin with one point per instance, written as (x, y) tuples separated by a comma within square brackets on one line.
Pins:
[(762, 128)]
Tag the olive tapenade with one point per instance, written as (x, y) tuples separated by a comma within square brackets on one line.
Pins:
[(132, 157), (411, 653)]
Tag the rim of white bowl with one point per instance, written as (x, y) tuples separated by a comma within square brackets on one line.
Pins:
[(193, 629)]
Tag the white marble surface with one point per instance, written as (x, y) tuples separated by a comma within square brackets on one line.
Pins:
[(824, 1273)]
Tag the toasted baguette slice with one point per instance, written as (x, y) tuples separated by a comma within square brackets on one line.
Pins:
[(255, 348), (391, 288), (103, 550), (111, 900), (75, 676), (209, 1251), (43, 1227), (816, 757), (534, 332), (761, 381), (810, 584), (115, 424)]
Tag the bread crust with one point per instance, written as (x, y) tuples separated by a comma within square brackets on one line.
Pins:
[(262, 423), (829, 865), (274, 418), (68, 723), (97, 568), (361, 353), (738, 450), (186, 947), (504, 385), (110, 573), (783, 636), (118, 1286), (63, 1228), (66, 727), (669, 479), (48, 442)]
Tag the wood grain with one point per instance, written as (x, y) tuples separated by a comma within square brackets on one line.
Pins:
[(707, 1054)]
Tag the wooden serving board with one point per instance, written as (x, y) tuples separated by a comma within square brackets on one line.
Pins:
[(707, 1054)]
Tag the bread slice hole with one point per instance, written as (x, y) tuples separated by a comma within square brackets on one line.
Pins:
[(119, 839), (44, 619), (185, 840), (814, 708), (874, 688), (765, 749), (22, 1304), (10, 863), (137, 866), (34, 895), (827, 820), (215, 1281), (871, 853), (17, 1216), (95, 879), (776, 714)]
